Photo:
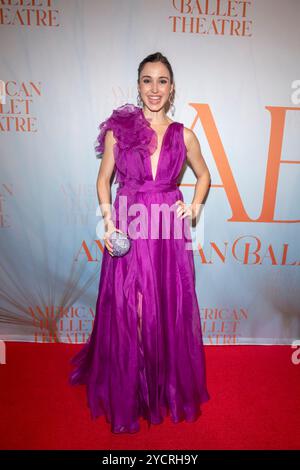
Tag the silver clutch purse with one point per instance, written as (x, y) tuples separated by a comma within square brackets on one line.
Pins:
[(120, 242)]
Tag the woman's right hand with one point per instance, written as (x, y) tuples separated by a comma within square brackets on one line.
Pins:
[(110, 228)]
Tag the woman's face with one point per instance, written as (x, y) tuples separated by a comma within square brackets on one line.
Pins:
[(155, 85)]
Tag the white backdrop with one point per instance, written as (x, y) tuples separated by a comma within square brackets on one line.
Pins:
[(64, 66)]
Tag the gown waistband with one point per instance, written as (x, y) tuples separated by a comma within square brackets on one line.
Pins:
[(148, 186)]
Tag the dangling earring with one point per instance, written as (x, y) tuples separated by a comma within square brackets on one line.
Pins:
[(139, 100), (172, 107)]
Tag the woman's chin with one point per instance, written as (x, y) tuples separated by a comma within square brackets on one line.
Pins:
[(155, 106)]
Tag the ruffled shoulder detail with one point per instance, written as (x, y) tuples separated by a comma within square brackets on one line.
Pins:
[(131, 131)]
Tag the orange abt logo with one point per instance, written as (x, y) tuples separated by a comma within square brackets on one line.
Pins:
[(239, 214)]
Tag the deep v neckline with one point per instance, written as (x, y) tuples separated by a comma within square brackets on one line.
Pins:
[(161, 147)]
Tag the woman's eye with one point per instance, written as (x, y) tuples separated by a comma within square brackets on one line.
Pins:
[(146, 80)]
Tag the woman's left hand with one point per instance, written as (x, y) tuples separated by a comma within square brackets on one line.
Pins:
[(187, 210)]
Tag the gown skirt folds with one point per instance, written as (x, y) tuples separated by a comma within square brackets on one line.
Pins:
[(145, 356)]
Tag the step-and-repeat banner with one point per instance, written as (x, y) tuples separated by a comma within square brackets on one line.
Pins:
[(64, 66)]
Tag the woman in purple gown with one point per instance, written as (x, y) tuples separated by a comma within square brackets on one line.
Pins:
[(145, 357)]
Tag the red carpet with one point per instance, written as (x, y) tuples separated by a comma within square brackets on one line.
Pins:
[(255, 404)]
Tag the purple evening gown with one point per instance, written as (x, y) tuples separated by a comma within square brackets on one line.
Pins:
[(145, 356)]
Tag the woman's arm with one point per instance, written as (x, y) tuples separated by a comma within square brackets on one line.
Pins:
[(103, 180), (197, 162)]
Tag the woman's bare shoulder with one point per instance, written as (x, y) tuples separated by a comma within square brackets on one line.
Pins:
[(189, 136)]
